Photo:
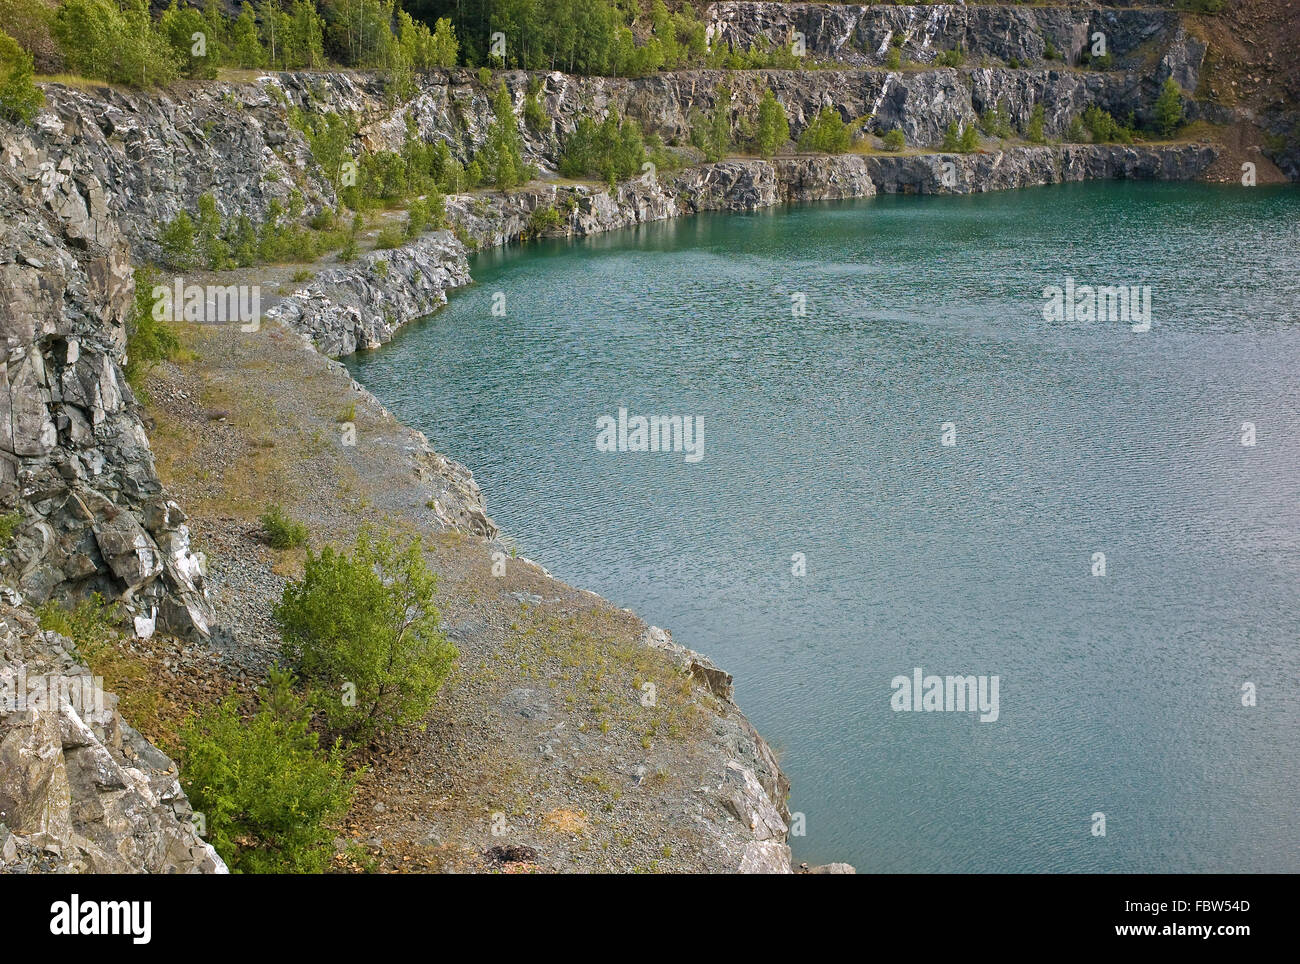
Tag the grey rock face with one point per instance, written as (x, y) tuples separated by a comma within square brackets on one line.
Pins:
[(861, 36), (81, 792), (74, 459)]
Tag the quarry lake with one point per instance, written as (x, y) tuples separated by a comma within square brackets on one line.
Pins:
[(1113, 532)]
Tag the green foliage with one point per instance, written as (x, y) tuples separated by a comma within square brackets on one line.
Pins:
[(178, 25), (894, 58), (29, 22), (1103, 128), (544, 219), (89, 622), (773, 127), (1050, 52), (245, 43), (535, 115), (10, 523), (501, 158), (894, 140), (149, 340), (362, 629), (996, 122), (177, 243), (390, 236), (1169, 108), (281, 531), (20, 98), (612, 150), (1076, 133), (267, 790), (99, 39), (950, 58), (1034, 129), (970, 139), (827, 133)]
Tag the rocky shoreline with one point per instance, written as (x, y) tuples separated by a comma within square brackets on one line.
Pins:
[(362, 305)]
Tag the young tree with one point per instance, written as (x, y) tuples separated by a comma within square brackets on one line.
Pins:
[(246, 49), (1169, 107), (179, 26), (1034, 131), (827, 133), (363, 630), (502, 156), (773, 127)]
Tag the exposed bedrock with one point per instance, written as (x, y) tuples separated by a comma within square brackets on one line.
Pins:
[(862, 36)]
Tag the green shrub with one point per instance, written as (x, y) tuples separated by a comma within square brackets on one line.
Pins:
[(20, 98), (612, 150), (535, 115), (894, 140), (390, 236), (177, 242), (362, 629), (773, 127), (501, 158), (827, 133), (1169, 108), (544, 219), (970, 139), (267, 791), (711, 132), (149, 340), (120, 44), (1103, 128), (894, 58), (1034, 130), (89, 622), (10, 523), (950, 58), (281, 531), (996, 122)]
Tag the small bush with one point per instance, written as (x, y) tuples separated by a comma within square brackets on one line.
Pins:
[(1169, 107), (950, 58), (544, 219), (362, 629), (281, 531), (10, 523), (1034, 130), (390, 236), (149, 340), (773, 127), (177, 242), (894, 140), (827, 133), (266, 789)]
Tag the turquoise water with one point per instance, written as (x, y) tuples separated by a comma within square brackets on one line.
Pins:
[(822, 434)]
